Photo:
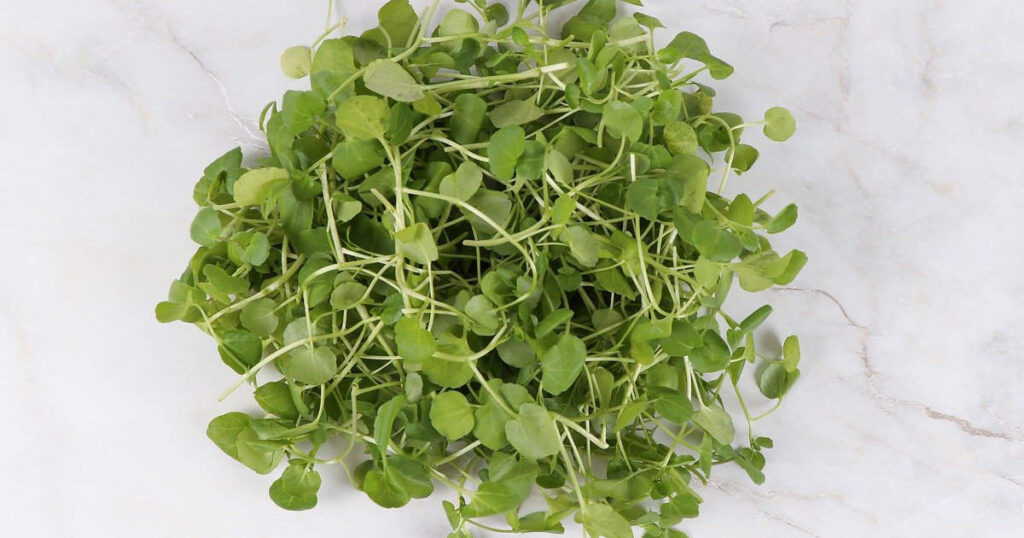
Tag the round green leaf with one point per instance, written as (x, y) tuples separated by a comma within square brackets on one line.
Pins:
[(297, 487), (623, 121), (414, 342), (715, 243), (362, 117), (296, 61), (463, 183), (562, 363), (206, 227), (387, 78), (260, 317), (451, 415), (779, 124), (311, 366), (255, 186), (680, 138), (532, 433)]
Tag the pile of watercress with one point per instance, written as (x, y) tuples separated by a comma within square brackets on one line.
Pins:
[(488, 257)]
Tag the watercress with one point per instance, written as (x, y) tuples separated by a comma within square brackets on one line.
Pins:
[(488, 256)]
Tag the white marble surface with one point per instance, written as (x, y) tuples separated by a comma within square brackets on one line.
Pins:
[(908, 421)]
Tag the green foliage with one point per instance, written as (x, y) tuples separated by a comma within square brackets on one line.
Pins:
[(485, 254), (451, 415), (297, 488)]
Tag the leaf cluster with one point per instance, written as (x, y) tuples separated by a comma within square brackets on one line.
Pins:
[(489, 256)]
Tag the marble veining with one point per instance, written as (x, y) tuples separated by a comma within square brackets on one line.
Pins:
[(908, 420)]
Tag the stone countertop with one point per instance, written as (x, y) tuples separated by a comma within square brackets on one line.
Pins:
[(909, 417)]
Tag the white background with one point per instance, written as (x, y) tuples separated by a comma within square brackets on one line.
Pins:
[(908, 421)]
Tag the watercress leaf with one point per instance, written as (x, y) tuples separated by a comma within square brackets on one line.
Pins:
[(449, 373), (248, 248), (774, 380), (715, 243), (791, 353), (755, 319), (296, 62), (562, 363), (223, 282), (225, 429), (783, 220), (691, 172), (531, 163), (415, 343), (583, 245), (610, 279), (592, 79), (680, 138), (562, 210), (348, 295), (402, 119), (532, 432), (743, 158), (309, 365), (240, 349), (383, 490), (492, 498), (484, 315), (463, 183), (788, 267), (648, 21), (458, 22), (489, 425), (354, 158), (259, 455), (333, 55), (411, 476), (712, 355), (504, 150), (717, 422), (601, 520), (560, 168), (779, 124), (741, 210), (168, 311), (691, 46), (497, 13), (297, 487), (517, 354), (673, 405), (667, 108), (398, 19), (416, 243), (387, 78), (260, 317), (679, 507), (428, 106), (299, 110), (648, 330), (385, 420), (362, 117), (276, 398), (516, 112), (552, 321), (706, 272), (206, 227), (468, 114), (254, 186), (451, 415), (642, 197), (623, 121)]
